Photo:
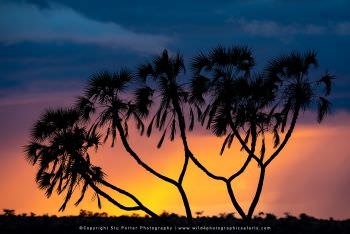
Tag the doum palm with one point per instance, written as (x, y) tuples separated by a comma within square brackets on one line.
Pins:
[(240, 102), (60, 147)]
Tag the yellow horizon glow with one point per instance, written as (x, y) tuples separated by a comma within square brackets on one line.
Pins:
[(309, 143)]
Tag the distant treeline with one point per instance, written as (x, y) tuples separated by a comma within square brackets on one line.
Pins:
[(90, 222)]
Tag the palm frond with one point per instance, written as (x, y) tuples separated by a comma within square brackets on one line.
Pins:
[(190, 128), (310, 58), (220, 122), (212, 113), (199, 86), (99, 204), (230, 140), (93, 140), (323, 108), (97, 173), (107, 135), (178, 64), (82, 194), (114, 136), (85, 107), (32, 151), (52, 121), (263, 149), (285, 114), (205, 113), (122, 79), (162, 65), (276, 69), (173, 130), (145, 70), (199, 112), (327, 81), (143, 100), (139, 124), (161, 140), (150, 126), (295, 65), (44, 181), (163, 120), (99, 86), (69, 191), (159, 115), (276, 137), (126, 128), (200, 62), (227, 139)]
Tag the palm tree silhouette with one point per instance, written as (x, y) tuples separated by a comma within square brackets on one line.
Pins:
[(224, 75), (104, 92), (237, 103), (294, 90), (165, 71), (59, 147), (254, 104)]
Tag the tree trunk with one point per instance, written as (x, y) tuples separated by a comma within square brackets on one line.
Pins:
[(257, 194), (182, 126), (234, 201)]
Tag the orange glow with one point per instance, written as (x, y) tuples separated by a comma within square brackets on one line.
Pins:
[(308, 176)]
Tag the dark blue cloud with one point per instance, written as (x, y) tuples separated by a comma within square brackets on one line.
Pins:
[(162, 16), (32, 66), (269, 27)]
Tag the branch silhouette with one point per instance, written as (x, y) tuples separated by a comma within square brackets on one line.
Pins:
[(262, 101), (230, 98), (164, 70)]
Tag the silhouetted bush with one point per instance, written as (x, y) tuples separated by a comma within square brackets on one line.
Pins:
[(70, 224)]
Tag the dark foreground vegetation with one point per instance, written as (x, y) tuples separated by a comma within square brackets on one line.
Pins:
[(88, 222)]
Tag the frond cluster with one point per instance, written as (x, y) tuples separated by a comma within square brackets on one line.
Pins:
[(59, 147), (238, 99)]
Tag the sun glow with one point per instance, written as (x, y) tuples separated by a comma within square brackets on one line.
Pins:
[(290, 185)]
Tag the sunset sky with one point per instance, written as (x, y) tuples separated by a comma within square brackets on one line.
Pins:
[(48, 50)]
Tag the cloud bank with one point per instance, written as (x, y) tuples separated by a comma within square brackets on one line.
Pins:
[(26, 22), (269, 28), (343, 28)]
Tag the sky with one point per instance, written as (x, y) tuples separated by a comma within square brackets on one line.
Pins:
[(48, 50)]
